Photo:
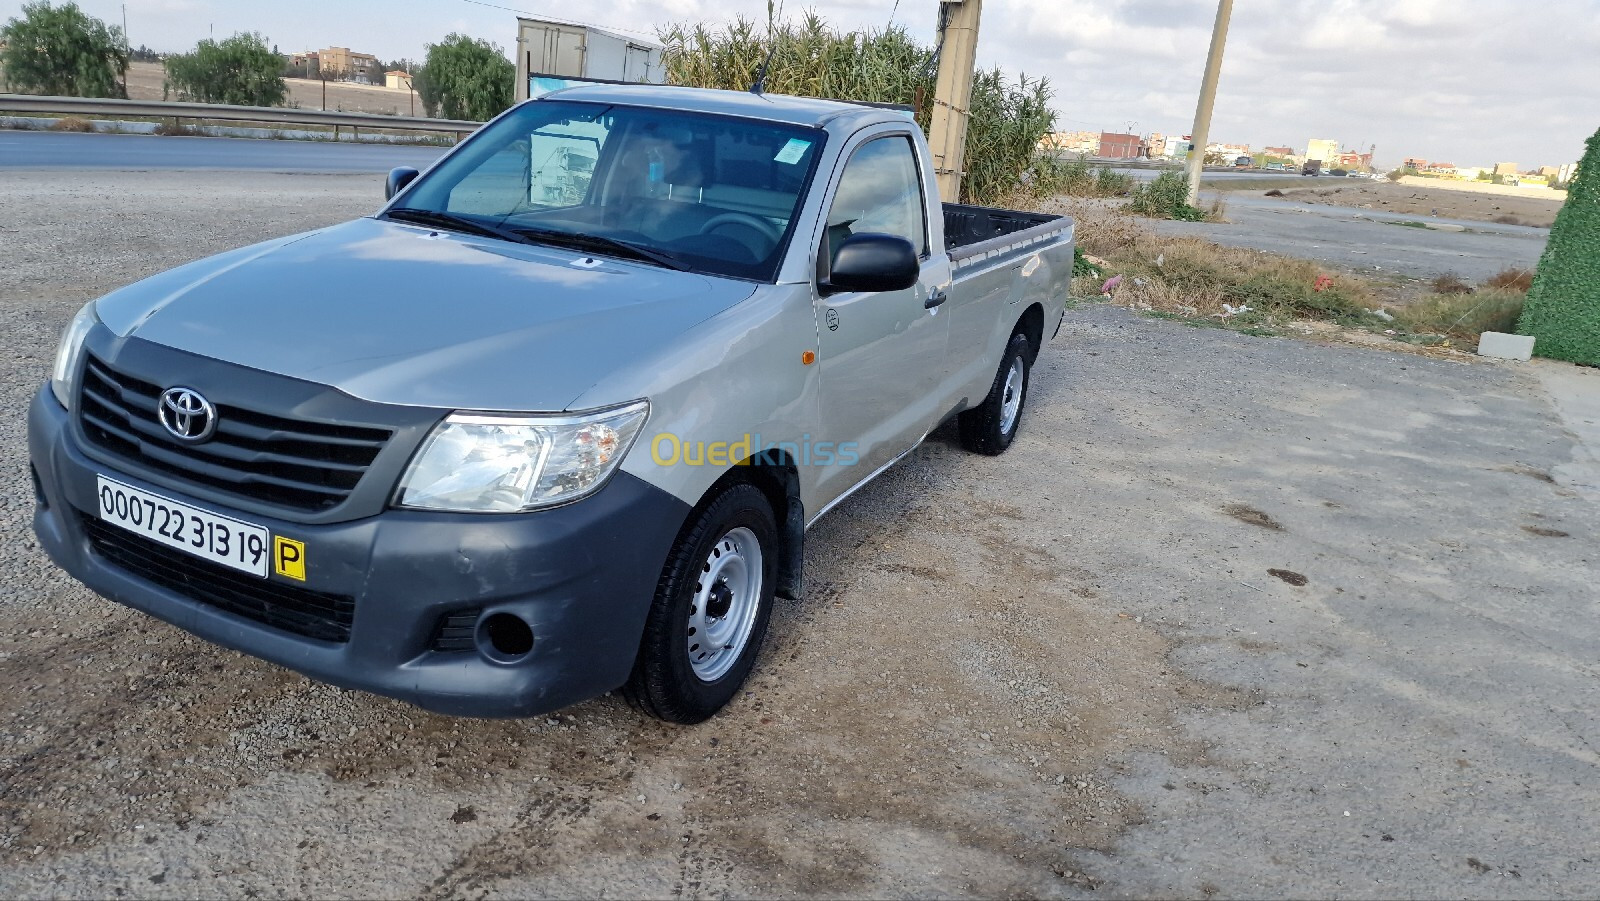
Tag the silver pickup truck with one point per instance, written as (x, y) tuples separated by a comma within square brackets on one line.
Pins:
[(556, 419)]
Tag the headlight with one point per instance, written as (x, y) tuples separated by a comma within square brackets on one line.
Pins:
[(483, 463), (70, 354)]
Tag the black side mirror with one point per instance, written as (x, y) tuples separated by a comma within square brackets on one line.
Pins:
[(873, 262), (397, 181)]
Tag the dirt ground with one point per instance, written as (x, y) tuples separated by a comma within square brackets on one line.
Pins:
[(145, 80), (1234, 616), (1427, 200)]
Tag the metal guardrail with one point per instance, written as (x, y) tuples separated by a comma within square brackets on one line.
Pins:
[(94, 106)]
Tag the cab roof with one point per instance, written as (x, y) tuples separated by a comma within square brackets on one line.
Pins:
[(773, 107)]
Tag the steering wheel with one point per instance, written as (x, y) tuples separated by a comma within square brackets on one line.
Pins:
[(765, 228)]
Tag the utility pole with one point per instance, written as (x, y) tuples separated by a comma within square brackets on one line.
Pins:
[(127, 50), (952, 96), (1208, 97)]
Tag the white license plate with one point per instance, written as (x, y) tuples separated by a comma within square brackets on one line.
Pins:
[(220, 539)]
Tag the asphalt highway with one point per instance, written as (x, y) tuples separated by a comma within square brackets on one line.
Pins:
[(70, 150)]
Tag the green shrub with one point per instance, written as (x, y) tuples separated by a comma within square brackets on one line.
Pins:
[(1167, 197), (465, 78), (1081, 265), (240, 71), (59, 50), (1563, 308)]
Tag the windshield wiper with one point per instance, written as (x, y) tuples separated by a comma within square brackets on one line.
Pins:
[(603, 244), (453, 221)]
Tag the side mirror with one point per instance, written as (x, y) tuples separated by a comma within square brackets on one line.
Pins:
[(397, 181), (873, 262)]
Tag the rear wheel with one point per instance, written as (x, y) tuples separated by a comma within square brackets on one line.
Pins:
[(990, 427), (710, 611)]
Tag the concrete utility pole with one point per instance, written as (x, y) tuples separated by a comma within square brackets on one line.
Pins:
[(1208, 97), (952, 96)]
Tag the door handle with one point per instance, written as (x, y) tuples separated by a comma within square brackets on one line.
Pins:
[(936, 297)]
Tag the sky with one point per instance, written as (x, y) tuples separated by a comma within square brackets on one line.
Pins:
[(1471, 82)]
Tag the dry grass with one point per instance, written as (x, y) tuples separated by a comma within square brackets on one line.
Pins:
[(1102, 228), (72, 123), (1512, 279), (1194, 277), (1450, 283), (1463, 317)]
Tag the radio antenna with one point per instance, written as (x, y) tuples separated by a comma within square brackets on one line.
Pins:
[(761, 74), (774, 10)]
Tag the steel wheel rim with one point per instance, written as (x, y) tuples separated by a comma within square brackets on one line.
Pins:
[(1011, 396), (729, 584)]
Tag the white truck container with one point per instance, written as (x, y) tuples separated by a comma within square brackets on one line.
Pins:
[(565, 50)]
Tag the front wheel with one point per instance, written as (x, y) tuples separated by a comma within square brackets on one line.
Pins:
[(990, 427), (710, 611)]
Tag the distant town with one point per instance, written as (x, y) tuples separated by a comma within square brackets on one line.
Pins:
[(1320, 156)]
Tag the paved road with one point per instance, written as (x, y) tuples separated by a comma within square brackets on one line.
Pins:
[(1143, 173), (66, 150), (1368, 240)]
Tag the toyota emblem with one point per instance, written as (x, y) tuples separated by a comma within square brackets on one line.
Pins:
[(187, 414)]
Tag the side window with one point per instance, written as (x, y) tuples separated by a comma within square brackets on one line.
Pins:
[(880, 191)]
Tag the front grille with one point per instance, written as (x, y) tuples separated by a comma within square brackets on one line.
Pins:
[(295, 463), (313, 614), (455, 631)]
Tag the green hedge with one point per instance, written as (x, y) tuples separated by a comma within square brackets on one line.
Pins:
[(1563, 308)]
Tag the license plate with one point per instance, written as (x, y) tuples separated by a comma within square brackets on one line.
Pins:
[(220, 539)]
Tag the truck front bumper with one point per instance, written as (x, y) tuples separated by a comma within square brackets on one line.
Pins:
[(422, 585)]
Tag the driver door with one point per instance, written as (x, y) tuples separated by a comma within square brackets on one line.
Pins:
[(881, 354)]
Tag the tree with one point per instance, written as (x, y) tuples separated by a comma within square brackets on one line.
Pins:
[(57, 50), (1563, 307), (240, 71), (465, 78)]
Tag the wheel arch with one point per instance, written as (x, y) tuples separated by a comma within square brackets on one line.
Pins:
[(1031, 325), (775, 474)]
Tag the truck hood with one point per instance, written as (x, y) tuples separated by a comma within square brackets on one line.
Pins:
[(403, 314)]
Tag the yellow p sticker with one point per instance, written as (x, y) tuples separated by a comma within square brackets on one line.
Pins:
[(289, 558)]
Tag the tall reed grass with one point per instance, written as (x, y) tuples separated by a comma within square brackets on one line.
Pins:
[(811, 59)]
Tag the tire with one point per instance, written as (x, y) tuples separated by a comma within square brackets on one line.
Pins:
[(725, 559), (989, 427)]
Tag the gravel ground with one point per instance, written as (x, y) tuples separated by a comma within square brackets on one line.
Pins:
[(1234, 616)]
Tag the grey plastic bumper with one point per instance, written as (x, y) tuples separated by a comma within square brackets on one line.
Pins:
[(582, 576)]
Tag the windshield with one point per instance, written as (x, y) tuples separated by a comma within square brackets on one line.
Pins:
[(689, 191)]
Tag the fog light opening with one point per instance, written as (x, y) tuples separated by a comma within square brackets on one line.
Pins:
[(505, 637), (38, 489)]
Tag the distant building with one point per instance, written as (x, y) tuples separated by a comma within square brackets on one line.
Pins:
[(1084, 143), (1157, 143), (1566, 172), (1354, 159), (1122, 147), (1505, 168), (1322, 149), (1178, 148), (347, 64), (397, 79), (1416, 163), (1278, 151), (1228, 150)]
